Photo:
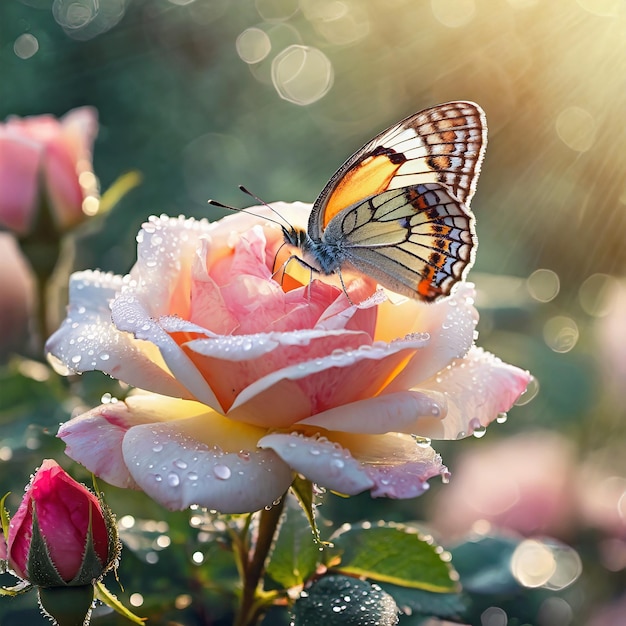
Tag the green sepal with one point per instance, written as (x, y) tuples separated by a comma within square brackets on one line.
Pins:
[(106, 597), (67, 606), (114, 543), (91, 567), (303, 490), (39, 566), (5, 520)]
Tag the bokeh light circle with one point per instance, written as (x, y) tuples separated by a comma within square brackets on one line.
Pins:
[(26, 46), (576, 128), (543, 285), (302, 74), (276, 10), (561, 333), (453, 13), (71, 14), (253, 45), (594, 294)]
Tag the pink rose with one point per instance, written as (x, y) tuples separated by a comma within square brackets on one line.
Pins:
[(523, 483), (17, 296), (41, 161), (247, 377), (65, 511)]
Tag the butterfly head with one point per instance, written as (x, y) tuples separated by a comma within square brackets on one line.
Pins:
[(296, 237)]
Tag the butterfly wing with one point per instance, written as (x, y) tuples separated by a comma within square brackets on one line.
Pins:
[(444, 144), (417, 240)]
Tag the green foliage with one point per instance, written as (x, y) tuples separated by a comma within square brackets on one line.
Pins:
[(345, 601), (395, 554), (297, 552)]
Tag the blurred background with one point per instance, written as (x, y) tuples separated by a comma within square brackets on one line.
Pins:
[(198, 96)]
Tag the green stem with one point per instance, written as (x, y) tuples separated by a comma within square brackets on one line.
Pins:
[(252, 604)]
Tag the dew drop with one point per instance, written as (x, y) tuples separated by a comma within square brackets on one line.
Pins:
[(173, 479), (157, 447), (180, 464), (222, 472), (480, 432)]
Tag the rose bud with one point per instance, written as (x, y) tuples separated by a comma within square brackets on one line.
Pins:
[(46, 162), (60, 534)]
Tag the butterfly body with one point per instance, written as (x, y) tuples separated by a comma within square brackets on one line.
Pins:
[(398, 209)]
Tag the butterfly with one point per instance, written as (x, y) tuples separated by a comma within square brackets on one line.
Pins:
[(398, 209)]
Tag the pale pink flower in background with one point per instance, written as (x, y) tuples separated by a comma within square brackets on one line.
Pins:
[(45, 160), (523, 483), (245, 378), (17, 296), (610, 614), (611, 336), (601, 490)]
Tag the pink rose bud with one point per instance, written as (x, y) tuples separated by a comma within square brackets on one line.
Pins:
[(60, 534), (46, 162)]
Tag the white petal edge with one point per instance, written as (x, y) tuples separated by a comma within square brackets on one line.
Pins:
[(477, 388)]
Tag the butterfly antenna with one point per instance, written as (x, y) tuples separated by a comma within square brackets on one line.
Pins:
[(272, 209), (221, 205)]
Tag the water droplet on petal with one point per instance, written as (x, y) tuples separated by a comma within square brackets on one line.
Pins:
[(222, 472), (173, 479), (480, 432)]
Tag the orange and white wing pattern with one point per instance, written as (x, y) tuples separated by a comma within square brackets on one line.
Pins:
[(418, 240), (444, 144)]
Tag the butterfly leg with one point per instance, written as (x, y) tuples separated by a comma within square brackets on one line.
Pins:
[(283, 270), (343, 286)]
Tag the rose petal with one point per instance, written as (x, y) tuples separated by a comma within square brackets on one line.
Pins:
[(478, 388), (178, 470), (450, 322), (88, 341), (321, 461), (20, 160), (94, 439), (315, 386), (220, 359), (400, 465), (129, 314), (401, 412)]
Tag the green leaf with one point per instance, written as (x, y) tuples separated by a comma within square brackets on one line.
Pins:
[(106, 597), (344, 601), (20, 587), (120, 187), (484, 564), (303, 490), (417, 601), (395, 554), (297, 552)]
